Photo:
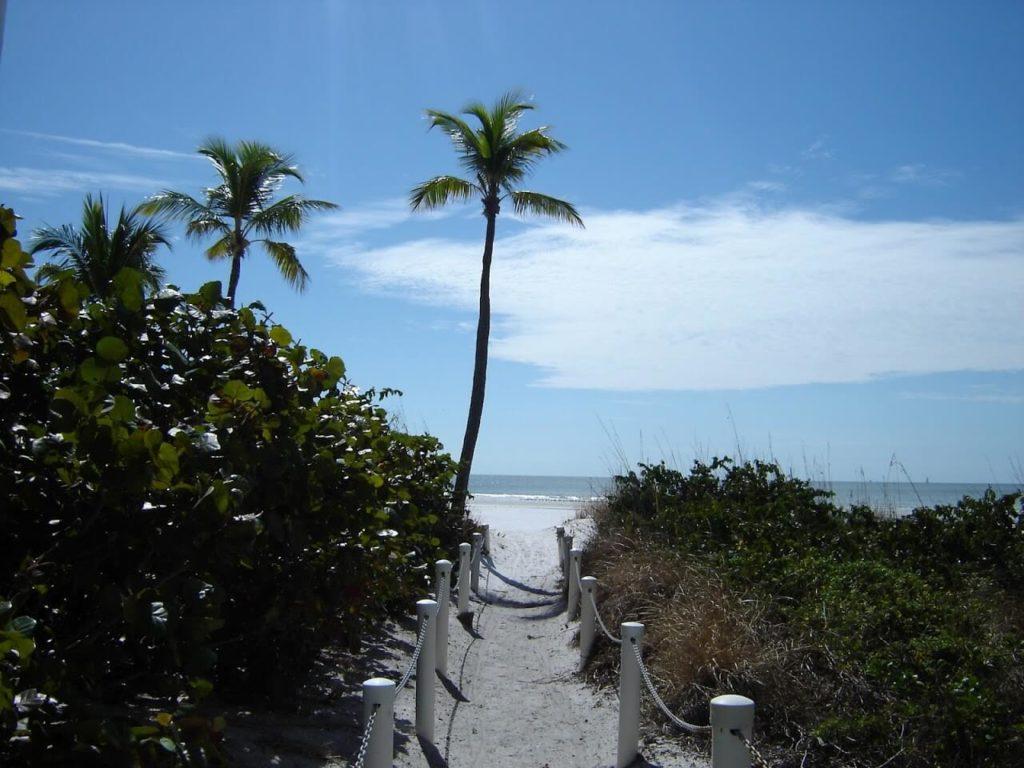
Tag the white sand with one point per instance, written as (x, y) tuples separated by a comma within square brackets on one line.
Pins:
[(512, 698)]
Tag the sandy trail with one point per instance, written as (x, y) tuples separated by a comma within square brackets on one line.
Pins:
[(512, 698)]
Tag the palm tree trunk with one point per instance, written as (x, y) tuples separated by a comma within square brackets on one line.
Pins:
[(236, 272), (476, 400)]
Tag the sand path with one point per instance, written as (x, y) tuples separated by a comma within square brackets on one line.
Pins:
[(512, 698)]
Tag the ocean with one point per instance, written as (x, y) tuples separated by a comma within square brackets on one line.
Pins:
[(897, 498)]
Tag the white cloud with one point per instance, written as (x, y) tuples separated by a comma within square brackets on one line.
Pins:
[(923, 175), (729, 295), (349, 222), (818, 150), (110, 146), (52, 181)]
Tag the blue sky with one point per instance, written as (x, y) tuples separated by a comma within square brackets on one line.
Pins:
[(805, 221)]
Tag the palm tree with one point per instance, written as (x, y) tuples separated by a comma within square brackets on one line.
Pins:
[(498, 157), (241, 210), (97, 253)]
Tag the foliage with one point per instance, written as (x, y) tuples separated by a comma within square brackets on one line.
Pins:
[(193, 503), (241, 209), (924, 610), (97, 253)]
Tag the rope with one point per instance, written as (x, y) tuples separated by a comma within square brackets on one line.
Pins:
[(600, 621), (367, 732), (755, 755), (657, 699), (414, 659)]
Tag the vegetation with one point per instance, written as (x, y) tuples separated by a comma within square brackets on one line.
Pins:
[(96, 253), (194, 503), (499, 157), (241, 209), (862, 638)]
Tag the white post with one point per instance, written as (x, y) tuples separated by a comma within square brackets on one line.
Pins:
[(443, 578), (487, 539), (629, 694), (465, 554), (730, 712), (567, 548), (588, 621), (559, 535), (478, 543), (426, 613), (573, 604), (379, 696)]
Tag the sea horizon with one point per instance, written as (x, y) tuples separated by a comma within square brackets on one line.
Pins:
[(899, 497)]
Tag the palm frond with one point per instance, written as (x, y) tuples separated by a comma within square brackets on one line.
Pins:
[(286, 215), (288, 264), (524, 202), (440, 191), (221, 248)]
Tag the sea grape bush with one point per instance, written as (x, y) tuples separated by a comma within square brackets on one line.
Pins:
[(927, 610), (192, 502)]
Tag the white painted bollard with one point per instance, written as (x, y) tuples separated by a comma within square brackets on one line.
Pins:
[(426, 613), (567, 548), (478, 543), (573, 603), (632, 634), (588, 621), (442, 580), (728, 713), (487, 539), (559, 535), (379, 697), (465, 555)]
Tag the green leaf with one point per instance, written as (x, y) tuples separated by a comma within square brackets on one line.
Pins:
[(22, 624), (167, 460), (73, 396), (121, 409), (13, 307), (280, 335), (13, 256), (128, 285), (167, 744), (336, 368), (112, 349), (212, 293), (237, 390)]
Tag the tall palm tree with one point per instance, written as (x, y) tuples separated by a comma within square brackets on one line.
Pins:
[(241, 209), (97, 253), (498, 157)]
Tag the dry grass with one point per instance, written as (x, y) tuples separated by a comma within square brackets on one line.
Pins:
[(702, 640)]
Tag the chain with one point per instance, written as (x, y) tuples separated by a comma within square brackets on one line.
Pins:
[(367, 732), (600, 621), (413, 660), (657, 699), (755, 755)]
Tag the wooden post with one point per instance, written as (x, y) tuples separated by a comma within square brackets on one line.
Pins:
[(567, 548), (426, 613), (465, 555), (588, 619), (559, 535), (379, 696), (632, 634), (730, 712), (573, 603), (487, 539), (442, 580), (478, 545)]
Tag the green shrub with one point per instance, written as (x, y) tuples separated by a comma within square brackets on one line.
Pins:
[(919, 620), (192, 501)]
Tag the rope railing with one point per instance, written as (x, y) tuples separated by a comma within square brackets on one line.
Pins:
[(731, 717), (376, 746), (415, 658)]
